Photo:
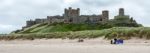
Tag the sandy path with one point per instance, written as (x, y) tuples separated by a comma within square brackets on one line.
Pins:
[(65, 46)]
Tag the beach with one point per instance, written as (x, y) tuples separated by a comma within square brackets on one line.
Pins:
[(72, 46)]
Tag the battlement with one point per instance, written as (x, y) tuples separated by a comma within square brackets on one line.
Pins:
[(71, 12), (33, 22), (40, 21), (54, 19)]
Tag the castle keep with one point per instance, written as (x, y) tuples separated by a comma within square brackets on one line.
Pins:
[(73, 16)]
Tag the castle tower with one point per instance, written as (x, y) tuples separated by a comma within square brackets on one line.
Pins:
[(70, 8), (66, 12), (30, 23), (78, 11), (71, 15), (105, 14), (72, 12), (121, 12)]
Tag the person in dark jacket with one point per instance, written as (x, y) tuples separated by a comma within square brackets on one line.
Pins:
[(115, 41), (111, 42)]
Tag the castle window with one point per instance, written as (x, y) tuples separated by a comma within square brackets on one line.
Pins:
[(101, 20), (70, 20)]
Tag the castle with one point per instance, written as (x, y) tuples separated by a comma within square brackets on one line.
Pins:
[(73, 16)]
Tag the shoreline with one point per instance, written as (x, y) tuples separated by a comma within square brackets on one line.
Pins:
[(73, 41), (72, 46)]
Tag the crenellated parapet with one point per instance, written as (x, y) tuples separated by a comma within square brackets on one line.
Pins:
[(33, 22), (71, 12), (55, 19)]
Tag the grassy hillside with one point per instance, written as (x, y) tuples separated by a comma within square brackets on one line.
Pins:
[(118, 21), (115, 32), (119, 27), (61, 27)]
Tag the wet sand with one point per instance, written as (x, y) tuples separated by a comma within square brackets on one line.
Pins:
[(72, 46)]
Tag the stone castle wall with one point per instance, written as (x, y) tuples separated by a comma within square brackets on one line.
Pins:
[(72, 16)]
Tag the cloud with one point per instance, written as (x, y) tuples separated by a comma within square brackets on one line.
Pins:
[(70, 1), (14, 13), (7, 28), (100, 2)]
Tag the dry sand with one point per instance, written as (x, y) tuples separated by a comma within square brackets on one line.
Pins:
[(72, 46)]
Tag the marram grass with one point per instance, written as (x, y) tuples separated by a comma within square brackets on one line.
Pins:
[(115, 32)]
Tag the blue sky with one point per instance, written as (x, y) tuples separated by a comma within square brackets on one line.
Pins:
[(15, 13)]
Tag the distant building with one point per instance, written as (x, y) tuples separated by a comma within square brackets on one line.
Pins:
[(126, 18), (73, 16), (30, 23)]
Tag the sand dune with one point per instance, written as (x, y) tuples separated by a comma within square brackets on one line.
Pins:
[(72, 46)]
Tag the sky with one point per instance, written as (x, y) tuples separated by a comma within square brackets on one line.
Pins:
[(15, 13)]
